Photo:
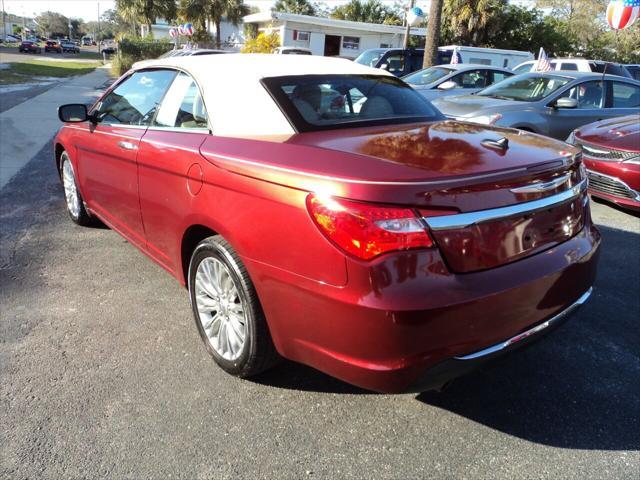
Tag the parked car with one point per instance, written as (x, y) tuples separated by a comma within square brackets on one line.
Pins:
[(292, 51), (445, 80), (52, 46), (10, 39), (551, 104), (611, 153), (577, 65), (27, 46), (88, 42), (69, 46), (314, 233), (403, 62), (634, 71)]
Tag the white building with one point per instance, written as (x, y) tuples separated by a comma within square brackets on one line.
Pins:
[(328, 36)]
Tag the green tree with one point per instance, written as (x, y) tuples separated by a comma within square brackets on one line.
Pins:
[(473, 22), (53, 24), (299, 7), (368, 11), (145, 12), (201, 12)]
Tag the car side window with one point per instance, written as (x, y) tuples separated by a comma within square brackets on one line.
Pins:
[(135, 100), (589, 95), (625, 95), (568, 66), (471, 79), (499, 76), (415, 62), (182, 106), (395, 63)]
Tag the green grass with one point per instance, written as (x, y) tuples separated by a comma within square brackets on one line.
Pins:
[(24, 72)]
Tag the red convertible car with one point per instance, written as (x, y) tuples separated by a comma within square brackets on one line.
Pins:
[(323, 211), (611, 153)]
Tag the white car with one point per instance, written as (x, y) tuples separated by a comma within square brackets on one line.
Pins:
[(577, 65)]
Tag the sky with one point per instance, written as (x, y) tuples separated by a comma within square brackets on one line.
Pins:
[(87, 10)]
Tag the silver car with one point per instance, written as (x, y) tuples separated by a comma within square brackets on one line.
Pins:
[(552, 103), (445, 80)]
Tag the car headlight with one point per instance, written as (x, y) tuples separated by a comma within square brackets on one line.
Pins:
[(486, 119)]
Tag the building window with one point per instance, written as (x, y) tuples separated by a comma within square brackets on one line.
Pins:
[(351, 43), (301, 36), (385, 45)]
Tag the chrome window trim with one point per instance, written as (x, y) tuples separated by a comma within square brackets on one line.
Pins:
[(204, 130), (532, 331), (463, 220)]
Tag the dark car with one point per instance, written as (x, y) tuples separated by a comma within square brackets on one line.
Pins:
[(52, 46), (384, 245), (398, 61), (27, 46), (634, 71), (611, 153)]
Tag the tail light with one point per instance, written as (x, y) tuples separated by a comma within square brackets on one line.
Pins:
[(366, 231)]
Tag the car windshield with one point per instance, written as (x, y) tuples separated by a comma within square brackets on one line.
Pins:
[(370, 58), (525, 88), (321, 102), (427, 76)]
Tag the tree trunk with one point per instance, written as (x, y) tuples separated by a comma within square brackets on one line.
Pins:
[(433, 34), (217, 23)]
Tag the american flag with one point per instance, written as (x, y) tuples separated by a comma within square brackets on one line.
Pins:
[(454, 57), (542, 65), (622, 13)]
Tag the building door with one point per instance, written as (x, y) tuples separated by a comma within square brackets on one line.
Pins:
[(332, 45), (316, 43)]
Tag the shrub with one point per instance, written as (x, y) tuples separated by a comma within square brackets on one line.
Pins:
[(132, 50), (263, 43)]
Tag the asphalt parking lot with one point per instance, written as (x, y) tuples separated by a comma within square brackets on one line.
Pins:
[(103, 373)]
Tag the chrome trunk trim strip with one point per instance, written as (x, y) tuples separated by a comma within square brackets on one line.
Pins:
[(463, 220), (532, 331)]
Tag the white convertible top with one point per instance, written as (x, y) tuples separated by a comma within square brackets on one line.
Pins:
[(237, 104)]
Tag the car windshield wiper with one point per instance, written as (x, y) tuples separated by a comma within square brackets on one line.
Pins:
[(499, 97)]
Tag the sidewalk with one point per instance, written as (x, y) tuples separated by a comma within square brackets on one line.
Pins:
[(27, 127)]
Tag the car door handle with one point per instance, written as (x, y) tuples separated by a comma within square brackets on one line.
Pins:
[(127, 145)]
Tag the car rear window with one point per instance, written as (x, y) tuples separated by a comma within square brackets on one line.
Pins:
[(322, 102)]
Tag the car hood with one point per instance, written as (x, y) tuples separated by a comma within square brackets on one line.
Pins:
[(473, 105), (622, 133), (400, 162)]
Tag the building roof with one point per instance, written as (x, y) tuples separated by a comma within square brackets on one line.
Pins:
[(237, 104), (269, 16)]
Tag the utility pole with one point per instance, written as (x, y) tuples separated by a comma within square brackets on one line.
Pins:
[(95, 35), (407, 32)]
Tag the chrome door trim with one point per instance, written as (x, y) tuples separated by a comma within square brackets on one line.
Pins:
[(532, 331), (463, 220)]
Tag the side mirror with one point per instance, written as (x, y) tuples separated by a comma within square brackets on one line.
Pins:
[(73, 113), (566, 102), (448, 85)]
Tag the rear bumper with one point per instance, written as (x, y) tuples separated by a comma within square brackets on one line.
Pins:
[(405, 322), (441, 374)]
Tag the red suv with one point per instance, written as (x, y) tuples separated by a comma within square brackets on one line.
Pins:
[(369, 237), (53, 46), (28, 46)]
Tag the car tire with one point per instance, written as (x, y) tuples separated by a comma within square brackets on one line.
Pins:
[(73, 198), (227, 310)]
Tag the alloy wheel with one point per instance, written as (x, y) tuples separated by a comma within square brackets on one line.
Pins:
[(70, 188)]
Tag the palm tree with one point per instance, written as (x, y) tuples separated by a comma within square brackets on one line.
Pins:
[(146, 11), (201, 12), (299, 7), (471, 20), (368, 11), (433, 34)]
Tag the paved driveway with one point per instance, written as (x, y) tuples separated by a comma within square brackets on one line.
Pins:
[(102, 372)]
